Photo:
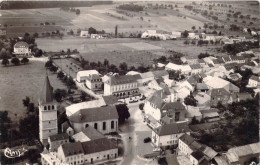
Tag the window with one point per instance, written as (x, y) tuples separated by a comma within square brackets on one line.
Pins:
[(112, 125), (104, 125), (53, 107), (49, 122), (45, 107), (177, 116), (96, 126), (86, 126)]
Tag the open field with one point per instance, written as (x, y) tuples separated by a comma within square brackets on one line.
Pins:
[(16, 82), (131, 50)]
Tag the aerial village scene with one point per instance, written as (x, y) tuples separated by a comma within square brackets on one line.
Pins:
[(129, 82)]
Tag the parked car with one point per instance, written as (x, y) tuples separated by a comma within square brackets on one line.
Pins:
[(157, 150), (143, 98), (133, 101)]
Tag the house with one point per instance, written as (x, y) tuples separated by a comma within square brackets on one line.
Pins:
[(186, 84), (169, 82), (220, 160), (193, 112), (216, 82), (190, 59), (253, 81), (210, 37), (186, 70), (56, 140), (238, 59), (210, 115), (201, 87), (103, 119), (197, 158), (234, 76), (48, 158), (242, 154), (88, 152), (169, 134), (84, 33), (83, 75), (195, 36), (88, 134), (22, 48), (156, 84), (219, 95), (121, 86), (237, 97), (176, 34), (158, 108), (196, 68), (146, 77), (94, 82), (182, 93), (66, 128), (132, 73), (161, 74)]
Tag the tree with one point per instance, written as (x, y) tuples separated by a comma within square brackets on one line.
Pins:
[(15, 61), (26, 101), (5, 61), (38, 53), (194, 121), (3, 53), (123, 66), (35, 35), (59, 94), (123, 112), (48, 64), (53, 68), (185, 34), (60, 75), (25, 60), (193, 28), (30, 107), (91, 30), (141, 106), (190, 100), (77, 11), (83, 96)]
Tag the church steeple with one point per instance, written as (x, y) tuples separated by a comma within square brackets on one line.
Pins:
[(47, 92)]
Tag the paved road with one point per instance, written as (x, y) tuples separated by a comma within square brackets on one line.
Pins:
[(128, 130)]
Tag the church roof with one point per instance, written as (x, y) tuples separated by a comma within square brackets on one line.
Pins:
[(47, 91)]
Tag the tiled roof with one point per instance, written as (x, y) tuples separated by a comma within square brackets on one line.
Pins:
[(110, 100), (21, 44), (98, 145), (92, 133), (253, 77), (94, 114), (70, 149), (187, 139), (157, 101), (58, 137), (147, 75), (219, 92), (197, 155), (173, 128), (121, 79), (195, 66), (173, 105), (94, 77), (201, 86), (47, 92), (160, 73)]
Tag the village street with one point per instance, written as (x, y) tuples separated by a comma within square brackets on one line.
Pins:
[(129, 129)]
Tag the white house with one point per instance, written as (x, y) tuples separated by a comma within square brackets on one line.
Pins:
[(169, 134), (94, 82), (21, 48), (253, 81), (104, 119), (88, 152), (83, 75), (84, 33), (122, 86)]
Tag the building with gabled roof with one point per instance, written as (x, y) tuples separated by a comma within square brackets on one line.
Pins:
[(22, 47), (83, 75), (88, 134), (94, 82), (56, 140), (254, 81), (104, 119), (169, 134), (121, 86)]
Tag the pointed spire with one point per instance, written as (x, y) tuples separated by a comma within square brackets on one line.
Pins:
[(47, 91)]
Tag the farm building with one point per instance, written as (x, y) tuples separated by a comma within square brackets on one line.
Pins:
[(84, 33)]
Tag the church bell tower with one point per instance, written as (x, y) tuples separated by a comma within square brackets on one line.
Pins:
[(47, 113)]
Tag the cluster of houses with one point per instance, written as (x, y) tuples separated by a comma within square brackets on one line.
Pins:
[(85, 33), (164, 110), (159, 34), (82, 138)]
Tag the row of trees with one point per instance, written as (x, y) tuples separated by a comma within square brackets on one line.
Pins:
[(15, 61), (131, 7), (106, 67), (235, 48), (71, 9)]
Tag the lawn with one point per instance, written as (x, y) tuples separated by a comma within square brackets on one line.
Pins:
[(16, 82)]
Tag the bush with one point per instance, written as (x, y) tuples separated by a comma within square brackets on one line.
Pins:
[(147, 140), (141, 106)]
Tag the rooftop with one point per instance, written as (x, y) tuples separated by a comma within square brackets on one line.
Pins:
[(121, 79), (21, 44), (57, 137), (47, 92), (173, 128), (94, 114)]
